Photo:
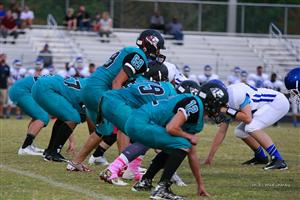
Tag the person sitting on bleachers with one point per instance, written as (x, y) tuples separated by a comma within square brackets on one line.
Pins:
[(157, 21), (106, 25), (70, 20), (175, 28), (2, 12), (8, 26), (27, 17), (207, 76), (83, 19), (235, 76)]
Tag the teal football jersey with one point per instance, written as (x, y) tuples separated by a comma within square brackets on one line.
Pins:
[(132, 59), (162, 111), (143, 92)]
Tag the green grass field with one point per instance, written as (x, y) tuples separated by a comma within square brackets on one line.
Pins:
[(29, 177)]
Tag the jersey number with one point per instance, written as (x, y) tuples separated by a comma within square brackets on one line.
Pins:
[(151, 89), (72, 83), (111, 60)]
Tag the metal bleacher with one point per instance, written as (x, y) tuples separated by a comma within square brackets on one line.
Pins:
[(222, 52)]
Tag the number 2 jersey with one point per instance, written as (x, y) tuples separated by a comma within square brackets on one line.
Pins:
[(241, 94)]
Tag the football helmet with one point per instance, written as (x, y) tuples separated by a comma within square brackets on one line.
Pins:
[(151, 42), (214, 96), (39, 63), (292, 83), (17, 63), (188, 86), (156, 72)]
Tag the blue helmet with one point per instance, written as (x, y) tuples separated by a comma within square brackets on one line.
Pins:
[(292, 83), (17, 63), (218, 82), (186, 68)]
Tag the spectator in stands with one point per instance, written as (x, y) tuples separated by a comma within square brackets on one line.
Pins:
[(46, 56), (157, 21), (4, 75), (83, 19), (105, 25), (95, 23), (27, 17), (16, 12), (70, 20), (8, 26), (235, 76), (2, 12), (259, 77), (208, 75), (175, 28)]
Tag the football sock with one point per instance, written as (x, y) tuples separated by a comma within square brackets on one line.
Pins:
[(28, 140), (272, 150), (118, 165), (134, 167), (62, 136), (173, 162), (107, 141), (156, 164), (134, 150), (259, 153), (55, 130)]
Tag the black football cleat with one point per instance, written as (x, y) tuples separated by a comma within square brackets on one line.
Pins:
[(163, 191), (256, 161), (142, 185), (276, 164)]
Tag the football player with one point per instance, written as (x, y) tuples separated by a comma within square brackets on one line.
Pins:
[(131, 153), (252, 106), (207, 76), (259, 77), (292, 83), (126, 99), (171, 125), (121, 66), (235, 76), (61, 98), (20, 94)]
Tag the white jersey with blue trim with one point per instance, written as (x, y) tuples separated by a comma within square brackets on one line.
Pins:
[(258, 96)]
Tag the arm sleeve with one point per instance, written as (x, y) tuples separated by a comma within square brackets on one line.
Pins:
[(245, 102), (190, 108), (133, 64)]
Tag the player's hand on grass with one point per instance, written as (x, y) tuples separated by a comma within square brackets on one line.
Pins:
[(208, 162), (202, 192)]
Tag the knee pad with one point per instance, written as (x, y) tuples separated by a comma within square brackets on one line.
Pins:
[(240, 133)]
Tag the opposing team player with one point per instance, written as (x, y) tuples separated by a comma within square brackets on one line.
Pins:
[(207, 76), (171, 125), (292, 83), (20, 94), (257, 109), (61, 98)]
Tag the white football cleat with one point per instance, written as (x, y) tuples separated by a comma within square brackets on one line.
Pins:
[(101, 160), (29, 150), (37, 149), (177, 180)]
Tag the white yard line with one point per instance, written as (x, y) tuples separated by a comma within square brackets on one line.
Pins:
[(57, 184)]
